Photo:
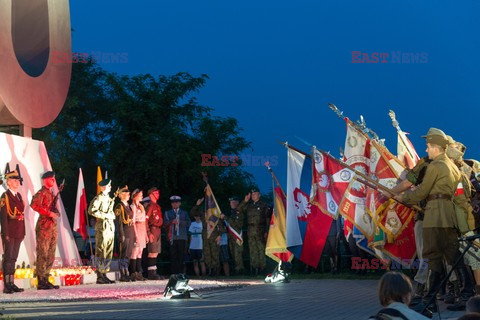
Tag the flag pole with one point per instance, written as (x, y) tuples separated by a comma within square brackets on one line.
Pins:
[(267, 164), (396, 125), (364, 177), (359, 125)]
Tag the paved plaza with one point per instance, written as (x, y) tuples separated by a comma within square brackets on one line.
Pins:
[(299, 299)]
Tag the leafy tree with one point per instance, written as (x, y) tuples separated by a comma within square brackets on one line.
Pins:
[(146, 131)]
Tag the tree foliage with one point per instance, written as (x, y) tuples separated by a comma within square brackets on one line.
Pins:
[(146, 131)]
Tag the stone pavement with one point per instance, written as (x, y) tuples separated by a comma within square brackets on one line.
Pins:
[(301, 299)]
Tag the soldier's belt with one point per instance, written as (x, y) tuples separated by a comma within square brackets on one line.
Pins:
[(439, 196)]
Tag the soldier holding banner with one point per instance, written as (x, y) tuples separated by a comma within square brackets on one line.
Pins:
[(437, 188)]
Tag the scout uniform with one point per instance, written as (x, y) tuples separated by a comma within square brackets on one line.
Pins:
[(126, 234), (154, 224)]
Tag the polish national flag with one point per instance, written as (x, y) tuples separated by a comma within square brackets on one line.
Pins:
[(80, 221)]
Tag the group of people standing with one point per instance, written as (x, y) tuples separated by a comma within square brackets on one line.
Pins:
[(137, 225)]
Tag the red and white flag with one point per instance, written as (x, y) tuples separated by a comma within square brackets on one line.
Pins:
[(352, 206), (330, 181), (80, 221)]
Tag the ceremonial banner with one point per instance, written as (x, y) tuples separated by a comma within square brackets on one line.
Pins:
[(391, 217), (330, 181), (405, 150), (276, 247), (237, 235), (307, 226), (212, 210), (352, 206)]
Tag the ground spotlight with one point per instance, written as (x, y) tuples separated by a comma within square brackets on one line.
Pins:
[(177, 287)]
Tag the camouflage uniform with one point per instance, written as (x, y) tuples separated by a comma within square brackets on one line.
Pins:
[(211, 250), (101, 208), (257, 227), (235, 220), (46, 232)]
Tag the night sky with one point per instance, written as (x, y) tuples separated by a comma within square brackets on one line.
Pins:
[(274, 65)]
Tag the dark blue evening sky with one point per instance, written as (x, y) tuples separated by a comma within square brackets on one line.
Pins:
[(274, 65)]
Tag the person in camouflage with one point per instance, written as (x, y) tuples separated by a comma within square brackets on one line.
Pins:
[(46, 230), (257, 219), (101, 207), (235, 220)]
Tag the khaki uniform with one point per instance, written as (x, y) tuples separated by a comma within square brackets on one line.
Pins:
[(46, 231), (211, 250), (439, 224), (235, 219), (101, 207), (257, 215)]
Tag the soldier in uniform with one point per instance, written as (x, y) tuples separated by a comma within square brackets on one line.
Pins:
[(414, 177), (211, 245), (235, 220), (257, 219), (13, 229), (124, 228), (439, 224), (462, 199), (101, 207), (176, 222), (154, 223), (46, 230)]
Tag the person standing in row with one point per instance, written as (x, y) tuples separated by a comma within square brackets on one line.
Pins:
[(141, 240), (13, 229), (154, 231), (126, 234), (235, 220), (177, 222), (101, 207), (257, 218), (46, 230)]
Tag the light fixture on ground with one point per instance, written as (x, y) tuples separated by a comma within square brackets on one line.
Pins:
[(177, 287)]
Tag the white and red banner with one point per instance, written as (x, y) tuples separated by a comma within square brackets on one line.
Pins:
[(80, 220)]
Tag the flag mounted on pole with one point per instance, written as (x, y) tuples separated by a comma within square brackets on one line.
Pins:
[(99, 178), (405, 151), (353, 204), (330, 182), (276, 247), (80, 222), (307, 226), (212, 209)]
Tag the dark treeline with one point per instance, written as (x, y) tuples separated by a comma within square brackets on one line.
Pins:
[(145, 131)]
